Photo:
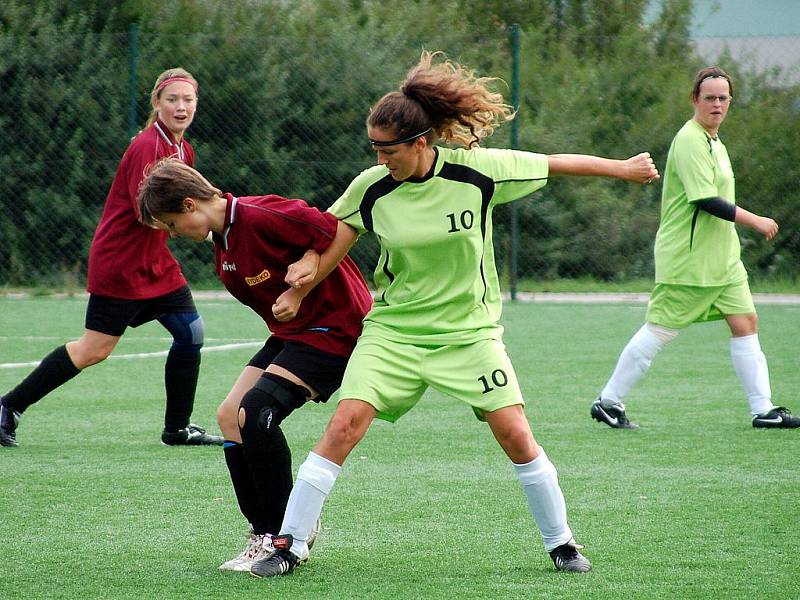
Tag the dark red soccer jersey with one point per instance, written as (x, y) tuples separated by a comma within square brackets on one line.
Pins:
[(127, 259), (263, 235)]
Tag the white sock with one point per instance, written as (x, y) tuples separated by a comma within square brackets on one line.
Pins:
[(315, 479), (539, 481), (750, 365), (635, 360)]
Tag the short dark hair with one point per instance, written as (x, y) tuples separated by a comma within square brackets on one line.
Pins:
[(166, 185), (709, 73)]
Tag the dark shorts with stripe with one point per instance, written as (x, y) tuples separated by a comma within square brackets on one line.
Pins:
[(320, 370), (113, 315)]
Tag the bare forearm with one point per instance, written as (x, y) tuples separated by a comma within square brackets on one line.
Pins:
[(745, 217), (766, 226), (584, 164), (636, 169), (345, 238)]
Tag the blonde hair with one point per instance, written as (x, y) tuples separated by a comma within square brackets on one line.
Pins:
[(155, 94), (447, 98), (166, 185)]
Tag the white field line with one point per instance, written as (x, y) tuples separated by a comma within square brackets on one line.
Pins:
[(219, 348)]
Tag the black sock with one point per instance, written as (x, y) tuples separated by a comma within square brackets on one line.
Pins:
[(242, 479), (55, 370), (180, 381), (270, 462)]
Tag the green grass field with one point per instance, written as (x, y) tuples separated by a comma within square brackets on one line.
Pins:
[(696, 504)]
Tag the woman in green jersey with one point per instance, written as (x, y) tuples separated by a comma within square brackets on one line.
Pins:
[(435, 321), (699, 272)]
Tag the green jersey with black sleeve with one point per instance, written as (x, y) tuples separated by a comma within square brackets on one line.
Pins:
[(692, 246), (436, 276)]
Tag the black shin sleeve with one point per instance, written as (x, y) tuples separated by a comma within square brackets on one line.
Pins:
[(55, 370), (267, 403), (242, 480), (180, 380)]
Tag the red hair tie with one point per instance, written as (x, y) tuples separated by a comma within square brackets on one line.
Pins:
[(169, 80)]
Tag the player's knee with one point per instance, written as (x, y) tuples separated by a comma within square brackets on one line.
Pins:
[(343, 431), (188, 331), (98, 355), (267, 403), (517, 441), (84, 353), (198, 330), (750, 323), (227, 418), (664, 335)]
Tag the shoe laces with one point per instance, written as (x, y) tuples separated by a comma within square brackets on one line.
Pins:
[(255, 544), (618, 410), (566, 552)]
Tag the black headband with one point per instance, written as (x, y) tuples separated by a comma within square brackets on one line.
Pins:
[(402, 141)]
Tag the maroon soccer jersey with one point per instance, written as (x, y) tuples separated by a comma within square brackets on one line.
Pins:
[(263, 235), (127, 259)]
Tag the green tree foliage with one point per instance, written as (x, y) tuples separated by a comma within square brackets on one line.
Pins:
[(285, 88), (59, 92)]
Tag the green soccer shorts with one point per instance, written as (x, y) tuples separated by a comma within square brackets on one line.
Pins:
[(392, 376), (678, 306)]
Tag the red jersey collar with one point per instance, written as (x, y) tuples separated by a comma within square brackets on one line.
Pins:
[(230, 217), (166, 135), (164, 132)]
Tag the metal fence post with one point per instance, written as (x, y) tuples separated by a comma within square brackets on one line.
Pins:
[(133, 57), (514, 262)]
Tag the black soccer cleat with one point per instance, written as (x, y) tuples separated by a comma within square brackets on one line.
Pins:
[(190, 436), (567, 558), (9, 419), (779, 417), (280, 562), (613, 416)]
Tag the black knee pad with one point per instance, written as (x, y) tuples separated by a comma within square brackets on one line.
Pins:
[(269, 402)]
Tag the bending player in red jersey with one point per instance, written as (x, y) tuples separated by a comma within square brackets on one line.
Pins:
[(258, 241)]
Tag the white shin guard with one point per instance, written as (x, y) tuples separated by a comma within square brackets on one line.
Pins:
[(750, 365), (539, 481), (315, 479), (635, 360)]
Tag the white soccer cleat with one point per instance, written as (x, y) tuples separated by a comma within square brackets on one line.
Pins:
[(257, 547)]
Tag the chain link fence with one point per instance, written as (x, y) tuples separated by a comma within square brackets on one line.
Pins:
[(286, 115)]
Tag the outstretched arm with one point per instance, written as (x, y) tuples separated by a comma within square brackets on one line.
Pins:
[(636, 169), (304, 280)]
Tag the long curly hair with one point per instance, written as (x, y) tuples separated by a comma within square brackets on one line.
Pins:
[(445, 97)]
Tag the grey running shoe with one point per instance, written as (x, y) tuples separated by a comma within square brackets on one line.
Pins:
[(613, 416), (779, 417), (567, 558), (280, 562), (9, 419), (192, 435), (257, 547)]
